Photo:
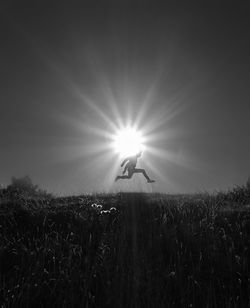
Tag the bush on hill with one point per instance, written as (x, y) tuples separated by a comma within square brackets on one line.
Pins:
[(24, 188)]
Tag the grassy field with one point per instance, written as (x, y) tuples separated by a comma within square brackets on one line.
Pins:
[(126, 250)]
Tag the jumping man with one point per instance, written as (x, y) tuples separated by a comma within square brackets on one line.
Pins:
[(130, 167)]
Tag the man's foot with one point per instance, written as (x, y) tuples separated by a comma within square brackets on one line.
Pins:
[(151, 181)]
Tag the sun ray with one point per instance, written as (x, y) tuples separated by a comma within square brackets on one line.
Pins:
[(155, 120), (147, 102), (152, 167), (73, 152), (108, 183), (83, 127), (99, 111), (178, 158), (169, 134), (110, 100)]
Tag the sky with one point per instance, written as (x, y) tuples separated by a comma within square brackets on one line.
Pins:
[(75, 72)]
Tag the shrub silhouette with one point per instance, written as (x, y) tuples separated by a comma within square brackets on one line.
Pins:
[(24, 187)]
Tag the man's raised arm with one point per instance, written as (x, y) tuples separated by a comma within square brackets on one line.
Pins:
[(125, 160)]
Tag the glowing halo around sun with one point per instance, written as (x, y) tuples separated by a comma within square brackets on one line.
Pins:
[(128, 142), (112, 127)]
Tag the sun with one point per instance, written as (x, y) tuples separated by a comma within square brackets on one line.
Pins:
[(128, 142)]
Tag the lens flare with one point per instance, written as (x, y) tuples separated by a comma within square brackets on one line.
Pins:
[(128, 142)]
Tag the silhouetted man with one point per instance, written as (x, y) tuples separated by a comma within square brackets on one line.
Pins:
[(130, 167)]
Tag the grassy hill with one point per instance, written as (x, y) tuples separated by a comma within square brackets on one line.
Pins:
[(126, 250)]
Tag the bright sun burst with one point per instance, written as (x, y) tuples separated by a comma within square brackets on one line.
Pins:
[(128, 142), (120, 132)]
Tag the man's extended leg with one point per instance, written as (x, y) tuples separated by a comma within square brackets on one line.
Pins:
[(144, 173)]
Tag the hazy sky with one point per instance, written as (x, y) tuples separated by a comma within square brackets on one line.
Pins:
[(181, 72)]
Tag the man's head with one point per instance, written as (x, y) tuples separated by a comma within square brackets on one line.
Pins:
[(139, 154)]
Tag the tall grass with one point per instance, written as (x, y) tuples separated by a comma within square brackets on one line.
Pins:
[(124, 250)]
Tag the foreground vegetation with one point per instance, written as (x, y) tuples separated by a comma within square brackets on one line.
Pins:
[(126, 250)]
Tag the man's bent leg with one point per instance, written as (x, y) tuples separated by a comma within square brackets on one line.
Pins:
[(123, 177)]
